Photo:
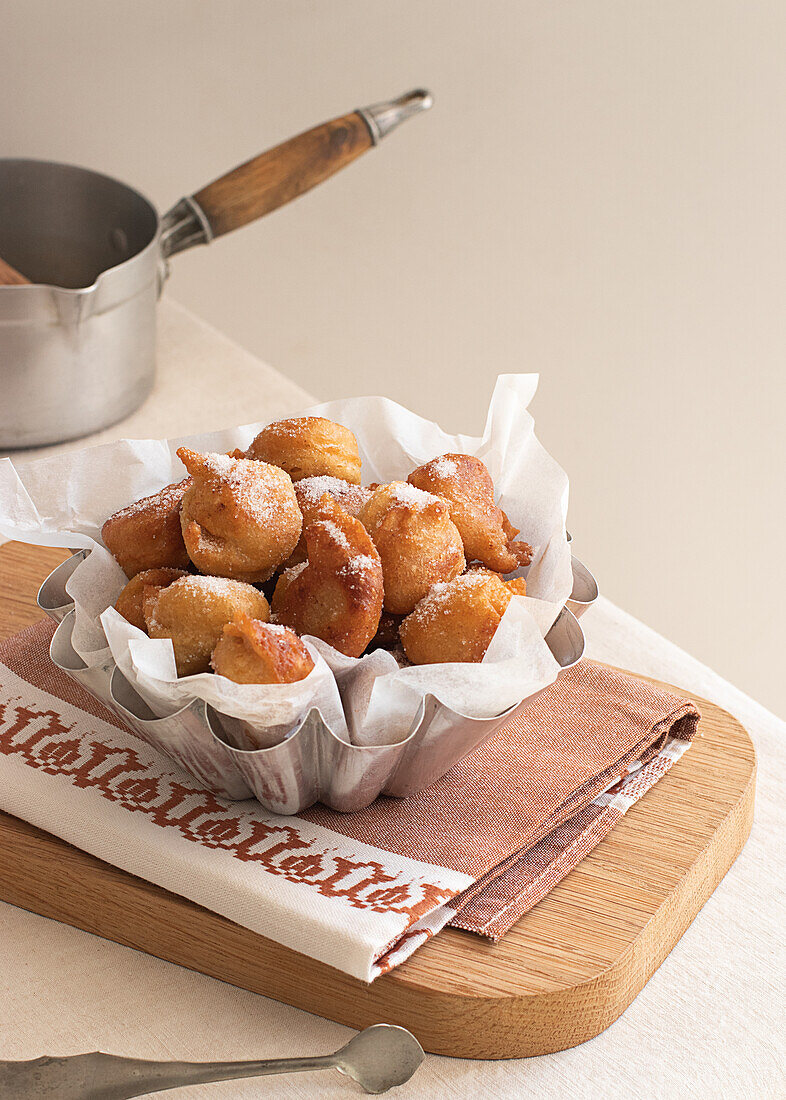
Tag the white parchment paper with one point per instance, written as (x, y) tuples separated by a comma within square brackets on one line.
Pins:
[(65, 499)]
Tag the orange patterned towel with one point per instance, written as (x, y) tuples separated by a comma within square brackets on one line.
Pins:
[(359, 891)]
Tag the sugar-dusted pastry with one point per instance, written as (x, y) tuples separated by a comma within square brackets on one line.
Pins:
[(309, 446), (142, 586), (147, 534), (310, 491), (456, 621), (239, 518), (336, 594), (486, 531), (193, 612), (517, 586), (418, 543), (251, 651)]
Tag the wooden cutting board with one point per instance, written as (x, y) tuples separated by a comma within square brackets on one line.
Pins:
[(565, 972)]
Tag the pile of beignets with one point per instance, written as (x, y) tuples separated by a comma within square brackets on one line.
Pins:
[(254, 549)]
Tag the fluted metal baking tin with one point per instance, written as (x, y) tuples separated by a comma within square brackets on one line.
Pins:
[(312, 764), (52, 597), (585, 589)]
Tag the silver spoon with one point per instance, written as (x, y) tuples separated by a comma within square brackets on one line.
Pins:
[(378, 1058)]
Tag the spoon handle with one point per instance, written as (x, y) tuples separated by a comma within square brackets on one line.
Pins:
[(99, 1076)]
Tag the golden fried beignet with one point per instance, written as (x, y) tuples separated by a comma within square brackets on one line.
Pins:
[(417, 541), (131, 599), (486, 531), (147, 534), (239, 518), (336, 594), (309, 446), (193, 612), (515, 585), (250, 651), (309, 493), (457, 620)]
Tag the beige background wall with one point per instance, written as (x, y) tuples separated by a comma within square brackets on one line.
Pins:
[(598, 195)]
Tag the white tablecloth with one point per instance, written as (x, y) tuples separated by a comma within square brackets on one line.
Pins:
[(710, 1023)]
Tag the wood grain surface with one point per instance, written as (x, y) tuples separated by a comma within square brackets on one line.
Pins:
[(9, 276), (565, 972), (276, 177)]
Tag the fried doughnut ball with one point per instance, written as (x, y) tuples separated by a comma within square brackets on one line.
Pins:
[(193, 612), (250, 651), (486, 531), (336, 594), (310, 491), (456, 621), (417, 541), (131, 599), (147, 534), (309, 446), (516, 585), (240, 519)]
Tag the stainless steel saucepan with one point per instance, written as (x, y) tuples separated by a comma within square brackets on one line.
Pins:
[(77, 333)]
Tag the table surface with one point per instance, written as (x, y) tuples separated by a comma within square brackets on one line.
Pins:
[(709, 1023)]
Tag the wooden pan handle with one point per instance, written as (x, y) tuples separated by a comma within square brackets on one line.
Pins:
[(9, 276), (281, 174)]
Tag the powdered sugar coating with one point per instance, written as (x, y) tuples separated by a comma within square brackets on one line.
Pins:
[(443, 467), (255, 485), (310, 491), (357, 566), (357, 562), (277, 628), (400, 492), (165, 499), (211, 587), (294, 570), (220, 464), (364, 561), (336, 534), (441, 595)]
